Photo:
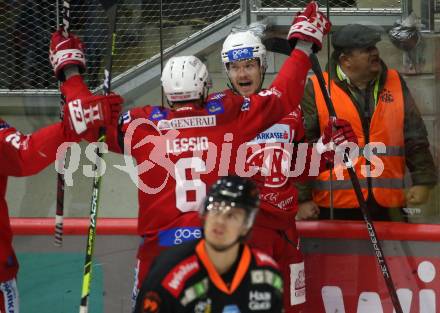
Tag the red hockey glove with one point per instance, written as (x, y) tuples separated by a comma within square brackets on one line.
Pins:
[(84, 115), (310, 25), (66, 51), (336, 135)]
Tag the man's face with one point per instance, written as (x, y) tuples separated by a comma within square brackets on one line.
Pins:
[(365, 62), (223, 227), (245, 76)]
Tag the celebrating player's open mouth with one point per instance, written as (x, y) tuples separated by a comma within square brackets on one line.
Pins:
[(246, 87)]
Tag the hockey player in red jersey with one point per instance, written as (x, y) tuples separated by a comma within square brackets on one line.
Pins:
[(271, 151), (182, 149), (25, 155)]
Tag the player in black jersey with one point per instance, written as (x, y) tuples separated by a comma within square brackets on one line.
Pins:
[(219, 273)]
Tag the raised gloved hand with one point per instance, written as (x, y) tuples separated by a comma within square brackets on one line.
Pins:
[(310, 25), (64, 52), (336, 135), (84, 116)]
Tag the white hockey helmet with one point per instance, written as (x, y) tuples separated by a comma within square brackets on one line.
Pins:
[(243, 45), (185, 78)]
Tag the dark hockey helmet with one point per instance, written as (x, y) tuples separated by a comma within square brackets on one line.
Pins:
[(233, 191)]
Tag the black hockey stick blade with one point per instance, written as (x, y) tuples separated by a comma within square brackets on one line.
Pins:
[(380, 257), (277, 45)]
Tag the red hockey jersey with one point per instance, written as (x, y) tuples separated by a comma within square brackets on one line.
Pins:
[(21, 155), (180, 152), (274, 152)]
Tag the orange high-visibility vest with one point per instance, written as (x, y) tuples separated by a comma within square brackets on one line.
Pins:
[(386, 127)]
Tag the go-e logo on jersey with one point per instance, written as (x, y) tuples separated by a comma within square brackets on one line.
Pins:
[(176, 236)]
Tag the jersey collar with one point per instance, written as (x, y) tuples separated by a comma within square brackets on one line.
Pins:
[(215, 277)]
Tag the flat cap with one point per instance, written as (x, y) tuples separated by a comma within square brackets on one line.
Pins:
[(353, 36)]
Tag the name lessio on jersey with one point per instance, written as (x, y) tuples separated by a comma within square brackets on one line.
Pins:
[(187, 144)]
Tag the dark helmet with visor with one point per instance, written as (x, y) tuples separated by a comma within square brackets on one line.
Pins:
[(233, 192)]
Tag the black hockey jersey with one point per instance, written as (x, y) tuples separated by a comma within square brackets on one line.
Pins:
[(183, 279)]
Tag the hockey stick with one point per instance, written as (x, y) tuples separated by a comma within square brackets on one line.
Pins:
[(110, 7), (331, 167), (59, 213), (316, 67), (161, 51)]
